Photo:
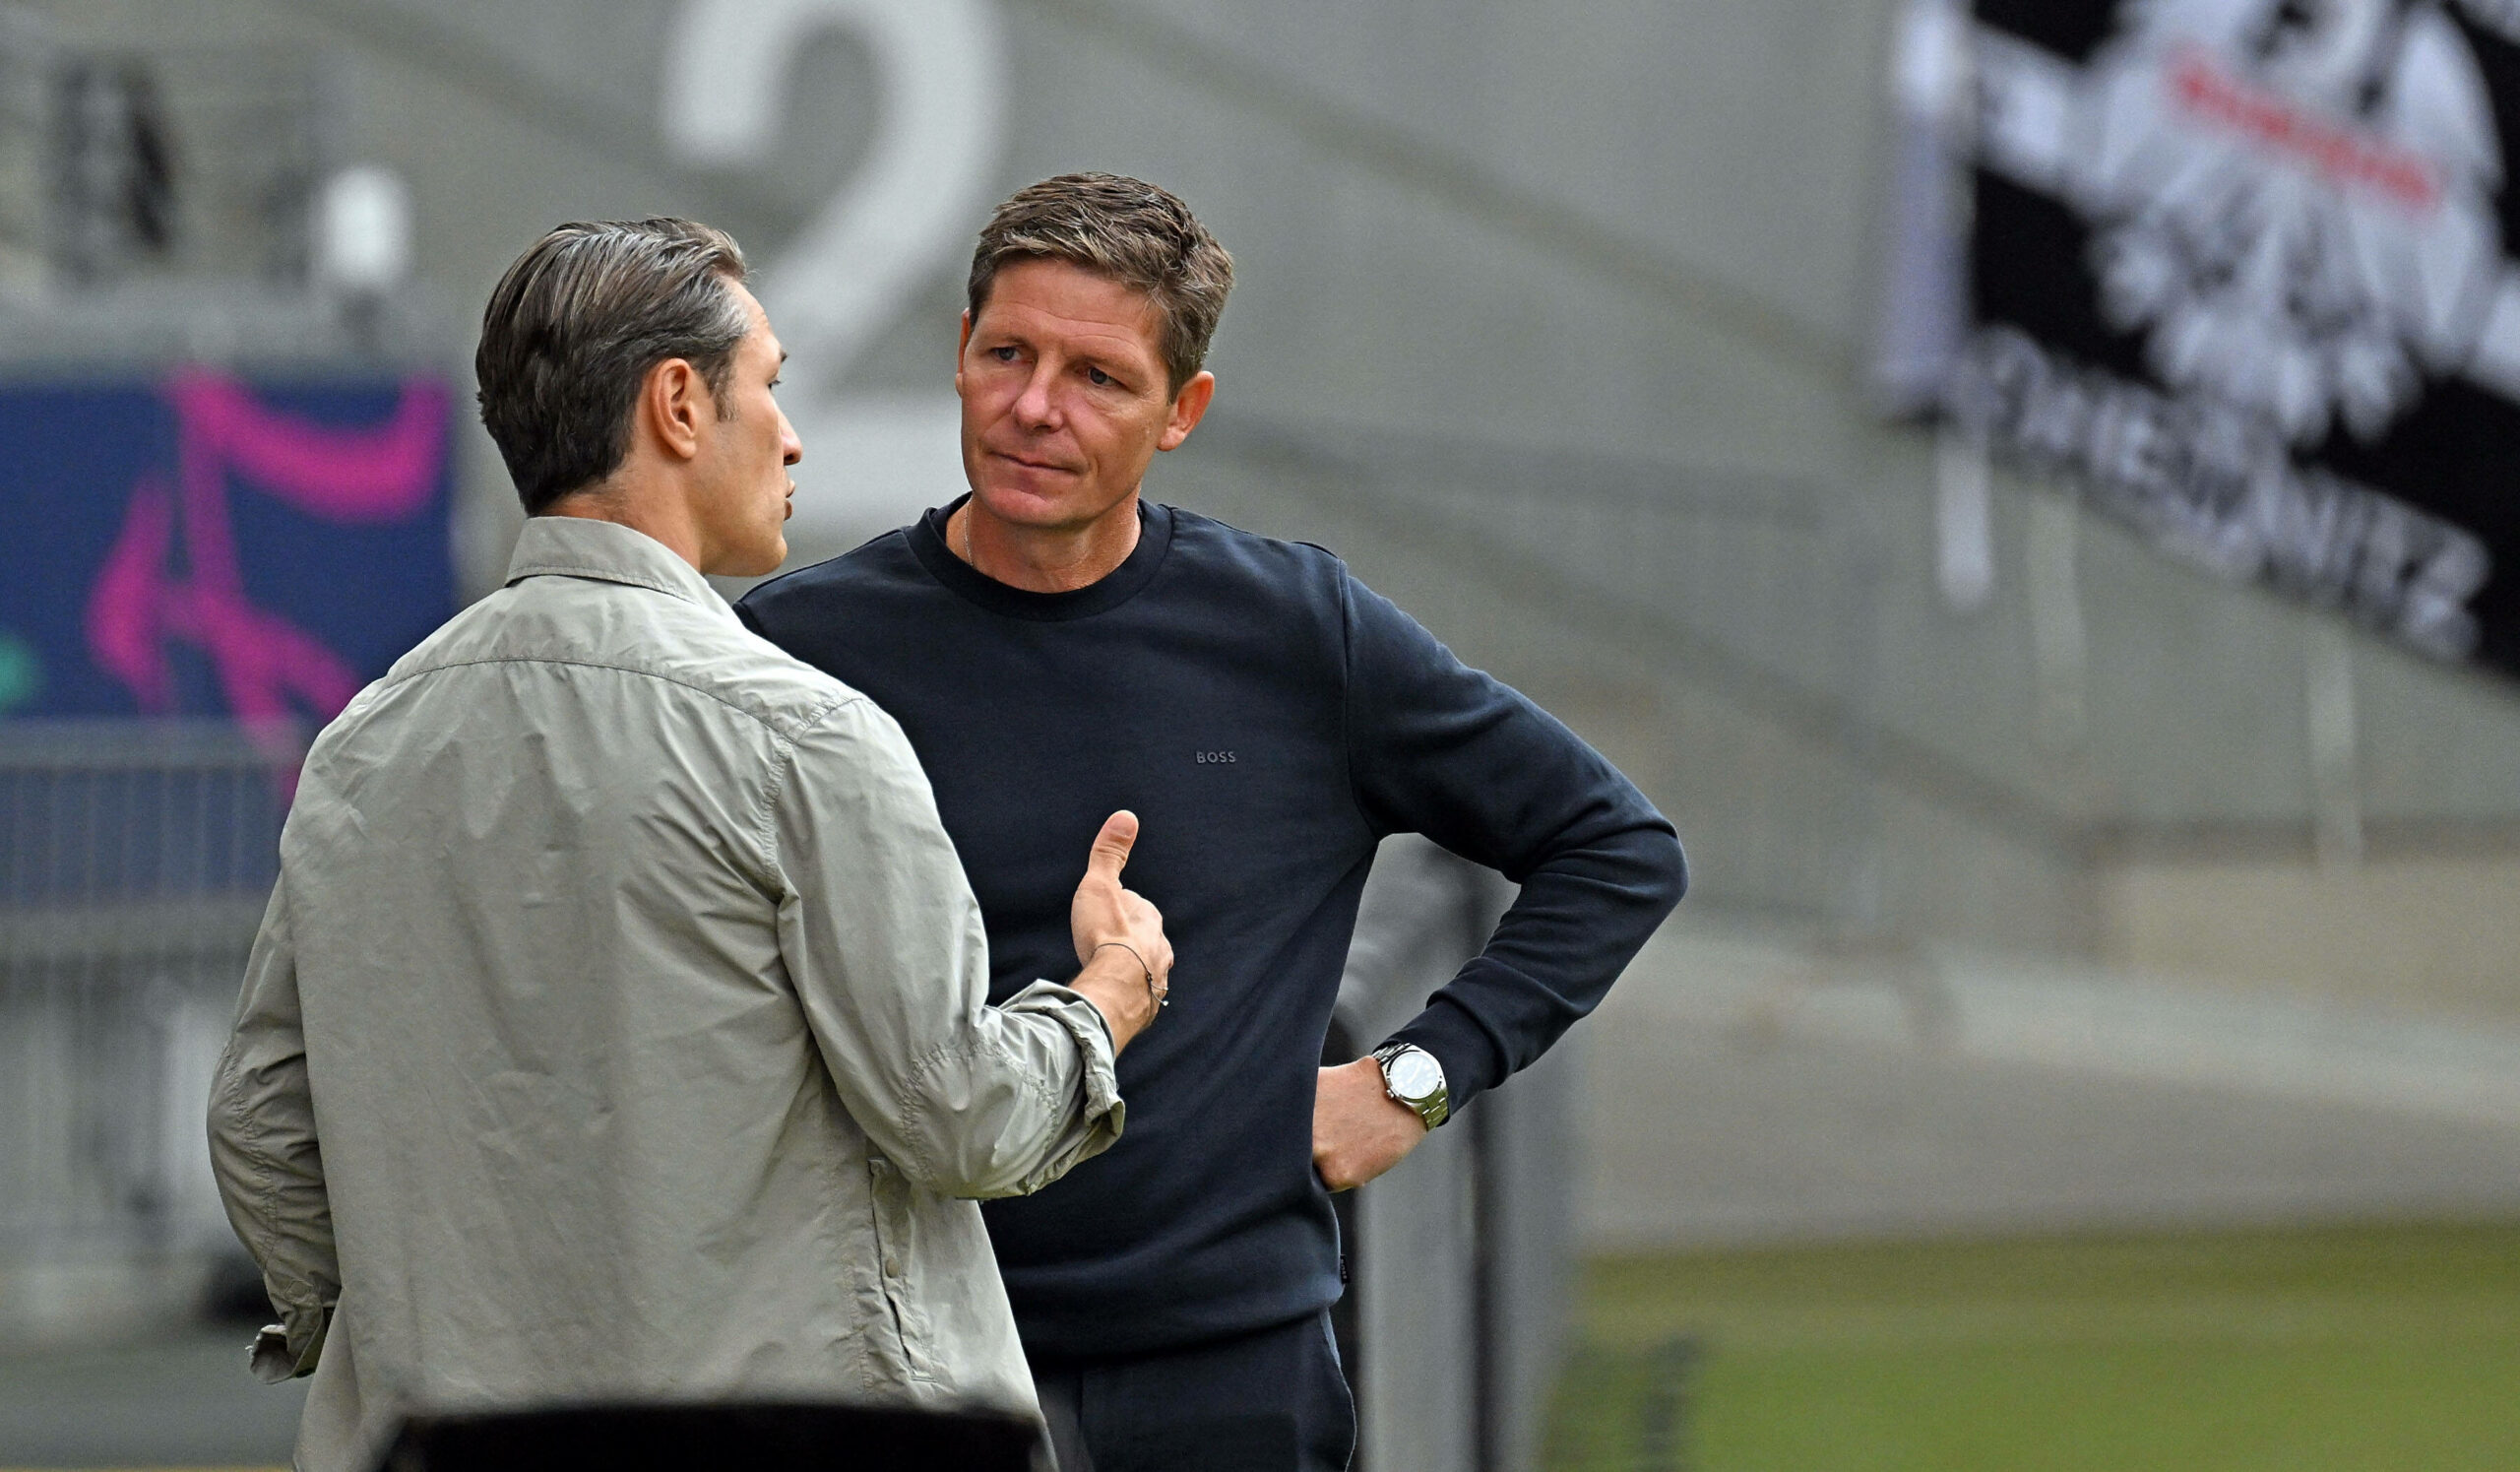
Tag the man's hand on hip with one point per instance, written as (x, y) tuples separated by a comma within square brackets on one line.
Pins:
[(1119, 937), (1358, 1131)]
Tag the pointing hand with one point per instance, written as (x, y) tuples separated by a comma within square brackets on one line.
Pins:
[(1120, 936)]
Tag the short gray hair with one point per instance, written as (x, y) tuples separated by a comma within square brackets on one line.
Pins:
[(573, 328), (1138, 234)]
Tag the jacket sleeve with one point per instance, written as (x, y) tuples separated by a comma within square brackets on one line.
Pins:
[(1439, 748), (265, 1156), (883, 941)]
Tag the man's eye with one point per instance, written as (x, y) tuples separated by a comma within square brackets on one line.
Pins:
[(1002, 355), (1099, 378)]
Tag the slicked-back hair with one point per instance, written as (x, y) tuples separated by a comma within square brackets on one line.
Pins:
[(573, 328), (1134, 233)]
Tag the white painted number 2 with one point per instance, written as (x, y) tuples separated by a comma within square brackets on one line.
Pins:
[(871, 461)]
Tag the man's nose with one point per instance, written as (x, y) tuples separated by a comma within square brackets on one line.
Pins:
[(1038, 407), (792, 448)]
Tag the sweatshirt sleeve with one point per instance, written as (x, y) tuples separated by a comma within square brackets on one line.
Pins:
[(1439, 748), (883, 941)]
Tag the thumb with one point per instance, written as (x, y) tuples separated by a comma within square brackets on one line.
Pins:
[(1111, 846)]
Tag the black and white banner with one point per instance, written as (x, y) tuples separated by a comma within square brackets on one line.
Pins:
[(2244, 270)]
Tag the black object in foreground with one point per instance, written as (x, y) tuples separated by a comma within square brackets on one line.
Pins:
[(759, 1438)]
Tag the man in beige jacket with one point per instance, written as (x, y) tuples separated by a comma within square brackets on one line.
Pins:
[(618, 1028)]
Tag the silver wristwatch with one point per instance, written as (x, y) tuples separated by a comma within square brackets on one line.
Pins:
[(1411, 1074)]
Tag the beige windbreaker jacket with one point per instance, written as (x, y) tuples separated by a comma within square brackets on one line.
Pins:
[(619, 1028)]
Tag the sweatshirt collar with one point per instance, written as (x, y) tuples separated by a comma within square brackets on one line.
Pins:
[(926, 537), (577, 547)]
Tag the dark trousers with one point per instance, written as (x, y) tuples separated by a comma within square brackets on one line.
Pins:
[(1270, 1402)]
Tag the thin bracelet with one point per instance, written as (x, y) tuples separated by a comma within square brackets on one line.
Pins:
[(1160, 999)]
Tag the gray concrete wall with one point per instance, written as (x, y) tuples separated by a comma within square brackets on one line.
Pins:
[(1958, 1093)]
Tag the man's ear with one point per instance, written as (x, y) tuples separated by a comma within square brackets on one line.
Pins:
[(673, 400), (1188, 406), (960, 347)]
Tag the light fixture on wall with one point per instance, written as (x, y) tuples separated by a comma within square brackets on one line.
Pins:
[(362, 233)]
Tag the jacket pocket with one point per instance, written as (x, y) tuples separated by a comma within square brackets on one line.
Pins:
[(896, 1262)]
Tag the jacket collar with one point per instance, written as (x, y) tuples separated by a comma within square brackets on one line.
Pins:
[(576, 547)]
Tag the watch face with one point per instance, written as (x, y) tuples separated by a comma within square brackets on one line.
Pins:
[(1414, 1075)]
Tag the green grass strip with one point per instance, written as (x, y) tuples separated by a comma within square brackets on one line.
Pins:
[(2346, 1348)]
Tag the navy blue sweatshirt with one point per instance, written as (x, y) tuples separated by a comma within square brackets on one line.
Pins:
[(1269, 718)]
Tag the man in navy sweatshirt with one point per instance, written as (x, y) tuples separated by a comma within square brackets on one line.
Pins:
[(1056, 648)]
